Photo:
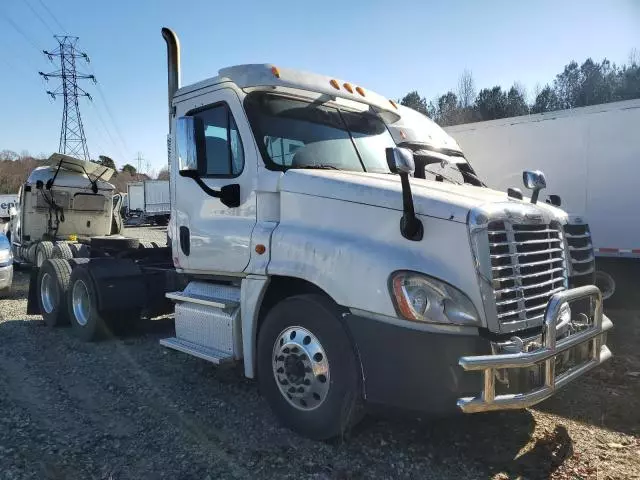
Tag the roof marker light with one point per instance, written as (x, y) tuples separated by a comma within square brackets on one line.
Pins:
[(394, 104), (334, 84), (360, 91), (348, 87), (275, 71)]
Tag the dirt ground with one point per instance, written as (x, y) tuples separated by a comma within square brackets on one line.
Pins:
[(128, 409)]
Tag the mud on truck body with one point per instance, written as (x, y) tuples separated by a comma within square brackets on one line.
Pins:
[(309, 254)]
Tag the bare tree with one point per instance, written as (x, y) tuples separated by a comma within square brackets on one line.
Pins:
[(634, 57), (466, 89)]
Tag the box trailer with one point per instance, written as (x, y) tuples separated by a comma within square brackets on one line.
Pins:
[(6, 202), (149, 201), (591, 156)]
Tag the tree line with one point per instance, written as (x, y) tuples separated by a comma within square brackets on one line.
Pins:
[(590, 83), (15, 168)]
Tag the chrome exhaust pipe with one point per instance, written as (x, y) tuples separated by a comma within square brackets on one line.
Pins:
[(173, 65)]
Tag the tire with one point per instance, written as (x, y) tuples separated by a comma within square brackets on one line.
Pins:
[(316, 405), (62, 250), (43, 252), (53, 284), (86, 322), (120, 243), (142, 245), (79, 250)]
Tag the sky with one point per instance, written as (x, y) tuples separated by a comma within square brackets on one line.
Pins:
[(389, 47)]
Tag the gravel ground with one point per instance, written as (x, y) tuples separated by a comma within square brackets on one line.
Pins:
[(128, 409)]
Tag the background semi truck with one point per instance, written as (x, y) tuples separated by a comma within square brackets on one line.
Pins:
[(149, 201), (591, 156), (62, 209), (329, 273)]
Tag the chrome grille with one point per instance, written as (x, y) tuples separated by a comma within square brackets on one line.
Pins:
[(527, 268), (581, 258)]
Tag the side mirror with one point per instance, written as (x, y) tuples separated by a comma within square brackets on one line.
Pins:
[(400, 160), (534, 180), (190, 145), (555, 200)]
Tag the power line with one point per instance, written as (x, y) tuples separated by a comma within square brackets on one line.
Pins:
[(21, 32), (72, 139), (52, 16), (39, 17)]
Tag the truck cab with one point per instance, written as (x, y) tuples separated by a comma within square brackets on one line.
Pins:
[(67, 198), (312, 255)]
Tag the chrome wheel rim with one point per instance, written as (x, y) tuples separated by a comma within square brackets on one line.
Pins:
[(48, 293), (81, 302), (301, 368)]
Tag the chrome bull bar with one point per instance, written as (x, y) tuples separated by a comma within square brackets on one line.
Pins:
[(547, 353)]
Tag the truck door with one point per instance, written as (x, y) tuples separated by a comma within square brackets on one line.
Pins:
[(212, 237)]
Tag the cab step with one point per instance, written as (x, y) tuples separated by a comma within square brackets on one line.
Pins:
[(207, 321), (208, 354)]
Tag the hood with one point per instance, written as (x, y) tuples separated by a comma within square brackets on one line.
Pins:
[(434, 199)]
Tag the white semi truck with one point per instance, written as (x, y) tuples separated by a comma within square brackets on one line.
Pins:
[(591, 156), (61, 207), (333, 276)]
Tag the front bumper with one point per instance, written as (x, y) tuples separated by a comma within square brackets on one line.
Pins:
[(586, 345), (6, 276)]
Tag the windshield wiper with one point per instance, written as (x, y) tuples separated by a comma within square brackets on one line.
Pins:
[(319, 167)]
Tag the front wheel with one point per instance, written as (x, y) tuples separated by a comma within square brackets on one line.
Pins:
[(307, 367)]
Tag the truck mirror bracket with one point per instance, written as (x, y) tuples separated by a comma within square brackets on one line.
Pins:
[(229, 195)]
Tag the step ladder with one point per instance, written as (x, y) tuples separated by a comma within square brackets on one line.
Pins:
[(207, 322)]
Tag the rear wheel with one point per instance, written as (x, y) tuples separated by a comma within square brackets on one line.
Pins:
[(44, 250), (53, 283), (86, 321), (62, 250), (307, 368)]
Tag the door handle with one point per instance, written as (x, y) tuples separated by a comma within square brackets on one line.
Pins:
[(185, 242)]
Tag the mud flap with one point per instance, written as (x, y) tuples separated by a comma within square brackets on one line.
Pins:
[(119, 283), (33, 306)]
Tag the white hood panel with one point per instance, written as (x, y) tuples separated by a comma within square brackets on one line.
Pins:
[(435, 199)]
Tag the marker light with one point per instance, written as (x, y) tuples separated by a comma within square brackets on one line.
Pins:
[(394, 104), (360, 91), (275, 71), (348, 87), (334, 84)]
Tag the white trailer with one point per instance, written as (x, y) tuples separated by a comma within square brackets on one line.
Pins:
[(150, 201), (331, 274), (591, 156)]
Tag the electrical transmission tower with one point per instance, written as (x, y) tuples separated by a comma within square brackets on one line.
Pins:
[(72, 139)]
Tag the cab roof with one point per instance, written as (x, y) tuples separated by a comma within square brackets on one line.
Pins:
[(268, 75)]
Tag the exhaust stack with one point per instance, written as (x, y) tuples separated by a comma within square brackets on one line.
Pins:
[(173, 65)]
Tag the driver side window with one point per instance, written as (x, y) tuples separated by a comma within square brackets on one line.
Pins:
[(223, 146)]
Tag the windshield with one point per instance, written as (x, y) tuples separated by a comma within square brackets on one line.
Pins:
[(294, 133)]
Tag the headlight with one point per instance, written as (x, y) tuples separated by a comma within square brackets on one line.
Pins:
[(425, 299)]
